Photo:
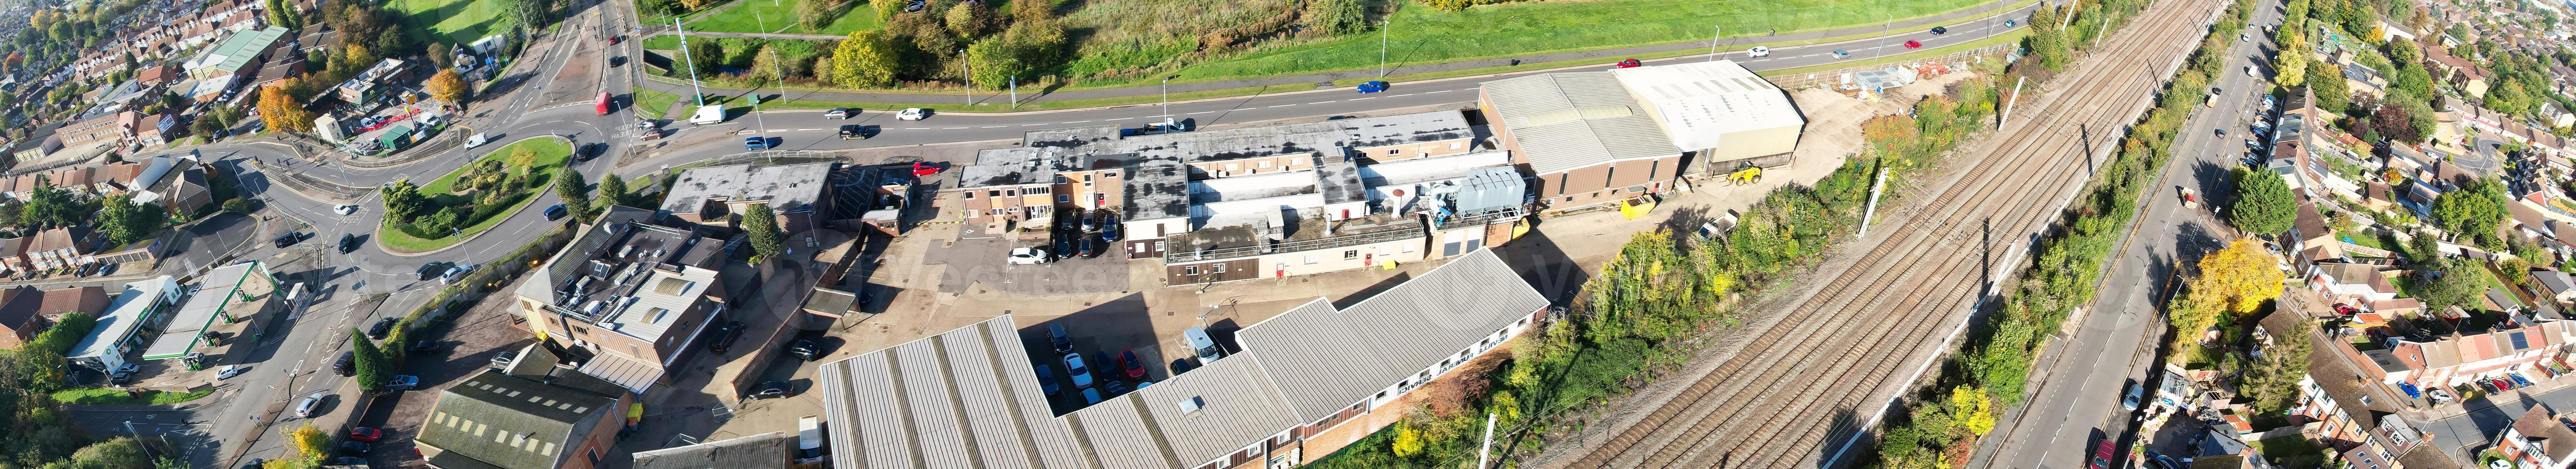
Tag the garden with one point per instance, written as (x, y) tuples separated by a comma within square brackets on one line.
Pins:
[(471, 199)]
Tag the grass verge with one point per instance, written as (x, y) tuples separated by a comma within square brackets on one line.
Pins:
[(552, 152), (104, 396), (652, 104)]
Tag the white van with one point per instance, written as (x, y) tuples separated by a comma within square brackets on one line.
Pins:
[(809, 440), (476, 141), (1200, 343)]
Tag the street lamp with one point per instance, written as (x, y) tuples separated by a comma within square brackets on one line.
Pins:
[(968, 75), (1167, 96), (1715, 32), (1883, 30)]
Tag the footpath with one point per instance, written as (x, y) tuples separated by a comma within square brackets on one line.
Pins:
[(1990, 9)]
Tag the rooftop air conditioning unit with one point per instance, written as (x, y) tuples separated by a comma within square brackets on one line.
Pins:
[(1193, 404)]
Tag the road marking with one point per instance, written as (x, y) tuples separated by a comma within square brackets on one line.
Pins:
[(1401, 95), (778, 130), (952, 128), (1202, 112), (1322, 102), (995, 126), (1077, 122), (1119, 119), (807, 130), (1473, 87), (1284, 105), (1356, 99), (1437, 92), (1032, 125)]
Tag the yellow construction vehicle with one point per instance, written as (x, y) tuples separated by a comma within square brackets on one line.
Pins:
[(1746, 173)]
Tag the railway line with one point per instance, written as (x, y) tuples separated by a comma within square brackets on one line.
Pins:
[(1802, 381)]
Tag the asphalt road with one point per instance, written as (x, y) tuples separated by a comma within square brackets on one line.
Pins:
[(2081, 400)]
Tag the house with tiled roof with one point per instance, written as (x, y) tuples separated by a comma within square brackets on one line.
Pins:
[(2356, 423), (2537, 440)]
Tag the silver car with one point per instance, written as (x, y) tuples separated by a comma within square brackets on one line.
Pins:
[(310, 405)]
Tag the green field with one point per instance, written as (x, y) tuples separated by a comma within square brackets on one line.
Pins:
[(551, 154), (1425, 35), (750, 16), (453, 21)]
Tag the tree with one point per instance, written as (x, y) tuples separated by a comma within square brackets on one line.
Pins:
[(705, 57), (2458, 282), (49, 207), (531, 15), (308, 443), (2471, 212), (1970, 409), (2263, 204), (282, 14), (768, 64), (442, 54), (573, 188), (762, 224), (996, 61), (446, 86), (612, 191), (886, 9), (2404, 52), (2291, 65), (124, 221), (371, 367), (2397, 123), (967, 19), (2273, 381), (2325, 79), (817, 14), (2240, 278), (864, 60), (403, 200), (523, 158), (2415, 81), (283, 113)]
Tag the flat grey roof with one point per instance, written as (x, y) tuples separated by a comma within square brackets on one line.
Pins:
[(1569, 120), (1046, 152), (788, 188), (969, 397)]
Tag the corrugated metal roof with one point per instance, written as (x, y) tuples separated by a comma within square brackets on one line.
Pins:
[(1569, 120), (762, 450), (963, 398), (633, 375), (1325, 360), (1699, 102)]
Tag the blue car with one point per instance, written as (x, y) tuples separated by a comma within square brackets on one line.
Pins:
[(755, 143), (1372, 86)]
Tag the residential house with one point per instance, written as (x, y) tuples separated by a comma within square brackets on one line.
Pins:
[(2556, 116), (19, 325), (149, 130), (800, 194), (631, 294), (189, 193), (2537, 440), (2562, 79), (2557, 286), (759, 450), (495, 420), (2350, 283), (2220, 449), (110, 127), (61, 247), (1588, 138), (2311, 238), (2358, 425), (2360, 79), (2414, 355)]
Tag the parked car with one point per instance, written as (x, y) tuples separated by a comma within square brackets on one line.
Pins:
[(839, 113), (1371, 86), (1115, 388), (1074, 368), (1046, 379), (805, 349), (355, 448), (351, 461), (382, 327), (556, 212), (310, 405), (1090, 396), (346, 364), (366, 434), (1057, 337), (1758, 51), (503, 360), (402, 382), (1027, 256), (348, 242), (2101, 455), (1108, 227), (724, 336), (1127, 361), (912, 114), (2249, 71), (288, 239), (1084, 247), (772, 390), (1202, 345)]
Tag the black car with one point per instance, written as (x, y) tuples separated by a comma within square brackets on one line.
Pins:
[(348, 242), (586, 152), (1108, 227), (253, 463), (382, 327), (1086, 250), (354, 448), (854, 132), (805, 349), (556, 212), (1064, 220), (1064, 244), (425, 346), (431, 270), (725, 334), (1937, 30), (289, 239), (347, 363), (772, 390), (350, 461)]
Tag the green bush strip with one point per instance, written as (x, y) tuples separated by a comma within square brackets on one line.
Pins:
[(552, 153)]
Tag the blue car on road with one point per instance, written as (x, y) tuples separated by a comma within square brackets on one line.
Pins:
[(755, 143), (1372, 86)]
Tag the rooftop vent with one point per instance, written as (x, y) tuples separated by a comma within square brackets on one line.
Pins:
[(1193, 404)]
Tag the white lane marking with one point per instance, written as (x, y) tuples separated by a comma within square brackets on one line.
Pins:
[(1119, 119), (1077, 122), (1322, 102), (778, 130), (1356, 99), (1437, 92), (1401, 95), (1032, 125), (1473, 87), (807, 130), (1203, 112), (952, 128), (995, 126), (1284, 105)]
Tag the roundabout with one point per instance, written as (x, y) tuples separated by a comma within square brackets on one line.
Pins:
[(471, 199)]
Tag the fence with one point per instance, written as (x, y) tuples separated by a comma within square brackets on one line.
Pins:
[(1834, 76)]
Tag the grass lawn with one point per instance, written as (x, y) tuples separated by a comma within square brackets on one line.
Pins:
[(2405, 285), (750, 16), (551, 153), (119, 396), (454, 21), (650, 104), (1427, 35)]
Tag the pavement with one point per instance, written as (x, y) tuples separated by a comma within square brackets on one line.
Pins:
[(1964, 24), (2076, 400)]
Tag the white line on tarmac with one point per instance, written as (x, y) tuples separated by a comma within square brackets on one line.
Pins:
[(1284, 105), (995, 126), (952, 128), (1077, 122), (1033, 125), (1401, 95), (1119, 119), (1437, 92), (1356, 99), (1203, 112), (1322, 102)]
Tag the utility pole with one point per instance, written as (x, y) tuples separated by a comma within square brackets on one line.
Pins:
[(695, 95), (1714, 33), (1381, 43), (968, 76), (2008, 103), (1485, 451), (1883, 29), (1167, 96), (1878, 184)]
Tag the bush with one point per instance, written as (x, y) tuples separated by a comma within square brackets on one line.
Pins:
[(238, 204)]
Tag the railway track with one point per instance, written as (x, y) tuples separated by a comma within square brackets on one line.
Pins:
[(1790, 395)]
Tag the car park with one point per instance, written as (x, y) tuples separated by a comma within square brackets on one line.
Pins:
[(912, 114), (1046, 379), (1057, 337), (556, 212), (1127, 362), (310, 405), (839, 113), (1073, 368), (1758, 51), (1027, 256), (1114, 388), (724, 336), (382, 327)]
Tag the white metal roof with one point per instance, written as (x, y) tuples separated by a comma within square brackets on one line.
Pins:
[(1697, 102), (124, 315), (1568, 120)]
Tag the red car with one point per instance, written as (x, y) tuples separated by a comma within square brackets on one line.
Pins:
[(366, 434), (927, 168), (2101, 455), (2345, 309), (1629, 63), (1913, 44), (1127, 361)]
